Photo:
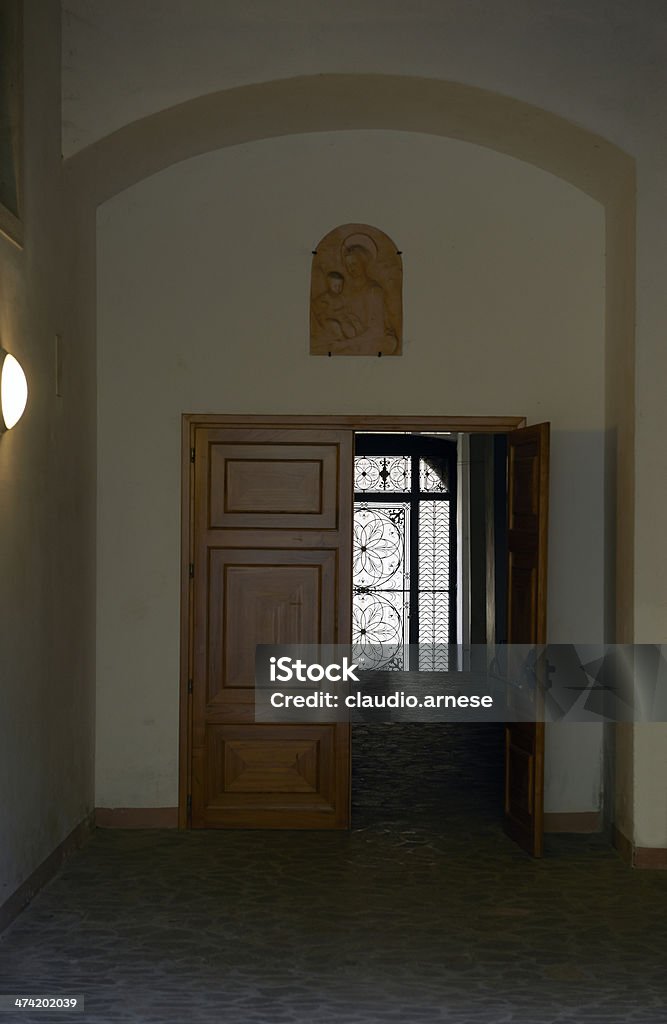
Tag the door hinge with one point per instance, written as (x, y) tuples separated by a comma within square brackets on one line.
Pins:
[(189, 686), (192, 455), (192, 570), (188, 804)]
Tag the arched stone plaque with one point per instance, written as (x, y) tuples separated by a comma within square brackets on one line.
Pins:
[(356, 287)]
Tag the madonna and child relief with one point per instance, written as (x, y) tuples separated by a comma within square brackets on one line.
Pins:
[(355, 294)]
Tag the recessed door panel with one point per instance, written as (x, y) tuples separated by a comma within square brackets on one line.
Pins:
[(273, 486), (264, 597), (263, 776)]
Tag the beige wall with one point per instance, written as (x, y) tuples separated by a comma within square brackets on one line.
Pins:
[(46, 505), (600, 66), (203, 279), (650, 768)]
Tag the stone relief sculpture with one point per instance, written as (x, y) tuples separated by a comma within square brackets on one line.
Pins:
[(355, 294)]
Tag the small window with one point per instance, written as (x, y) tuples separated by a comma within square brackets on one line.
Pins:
[(404, 568)]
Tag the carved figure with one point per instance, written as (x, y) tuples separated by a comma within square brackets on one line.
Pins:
[(332, 316), (358, 309)]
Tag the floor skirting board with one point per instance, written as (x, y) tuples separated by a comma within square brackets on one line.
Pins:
[(49, 867), (649, 857), (136, 817), (573, 821)]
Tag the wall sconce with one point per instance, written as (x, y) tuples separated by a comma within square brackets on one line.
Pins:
[(13, 391)]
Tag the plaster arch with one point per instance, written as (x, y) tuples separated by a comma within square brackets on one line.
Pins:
[(348, 102)]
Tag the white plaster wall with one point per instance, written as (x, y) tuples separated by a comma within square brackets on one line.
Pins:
[(598, 64), (650, 765), (47, 495), (573, 767), (203, 281)]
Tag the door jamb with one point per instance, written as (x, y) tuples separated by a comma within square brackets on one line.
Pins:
[(358, 424)]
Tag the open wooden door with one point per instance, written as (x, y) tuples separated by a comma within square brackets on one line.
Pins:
[(271, 564), (528, 504)]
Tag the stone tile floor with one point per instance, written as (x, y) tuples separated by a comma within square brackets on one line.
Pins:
[(424, 913)]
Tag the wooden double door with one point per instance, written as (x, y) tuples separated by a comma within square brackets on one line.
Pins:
[(267, 514)]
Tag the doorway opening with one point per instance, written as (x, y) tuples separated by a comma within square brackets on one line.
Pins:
[(429, 572), (267, 559)]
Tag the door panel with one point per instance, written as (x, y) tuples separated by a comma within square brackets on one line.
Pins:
[(269, 776), (272, 565), (528, 498), (522, 578), (264, 597), (276, 485)]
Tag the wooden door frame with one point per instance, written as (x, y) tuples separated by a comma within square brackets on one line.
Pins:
[(357, 424)]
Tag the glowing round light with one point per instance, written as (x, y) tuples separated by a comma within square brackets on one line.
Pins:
[(13, 391)]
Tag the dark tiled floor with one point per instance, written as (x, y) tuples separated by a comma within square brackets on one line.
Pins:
[(425, 912)]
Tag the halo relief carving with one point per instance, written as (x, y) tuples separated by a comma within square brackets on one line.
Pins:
[(356, 294)]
